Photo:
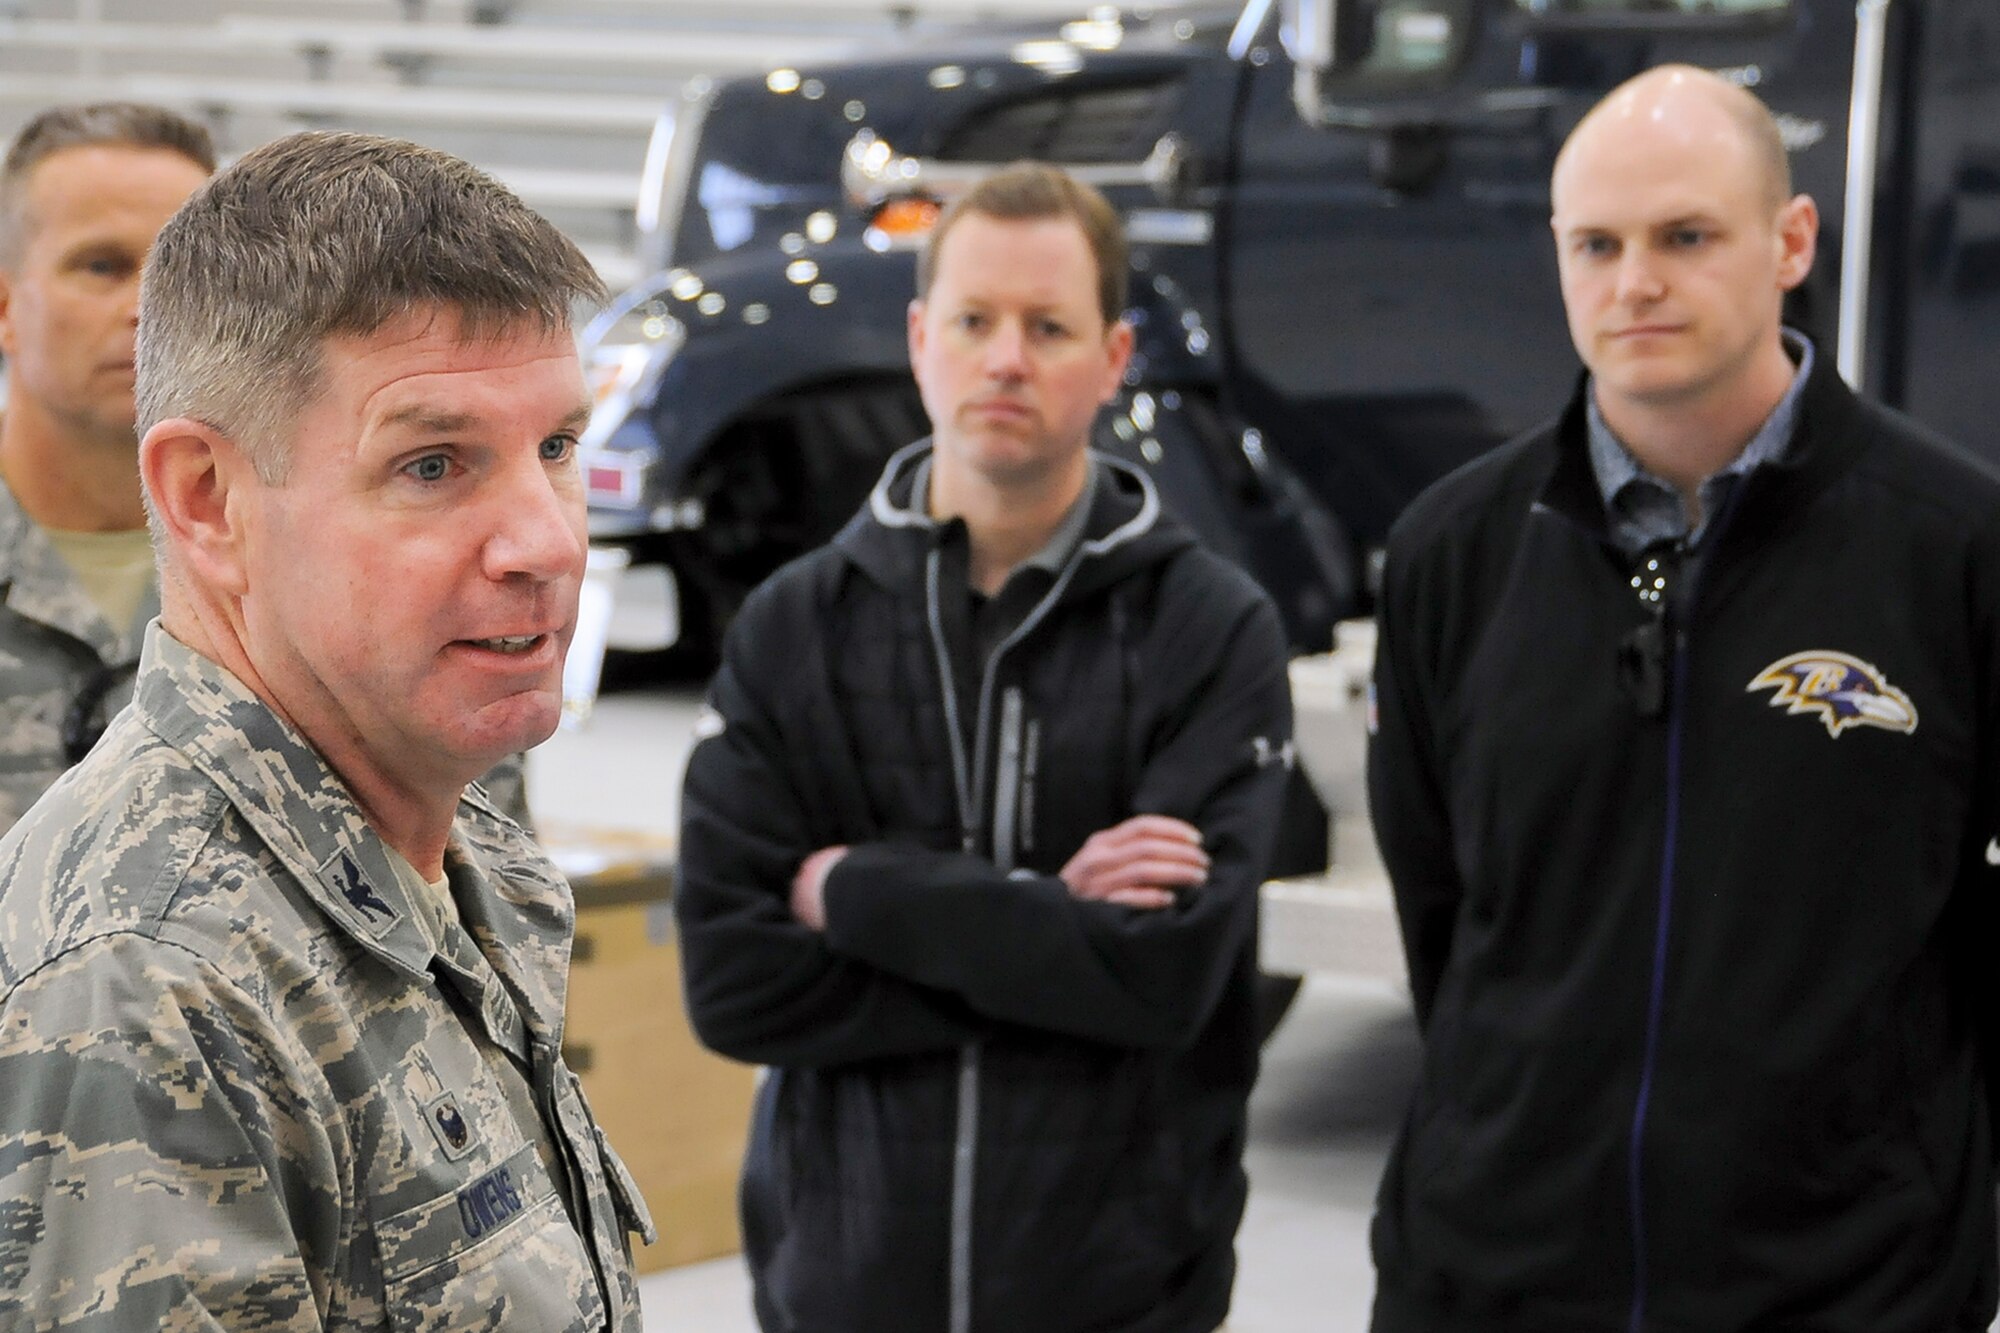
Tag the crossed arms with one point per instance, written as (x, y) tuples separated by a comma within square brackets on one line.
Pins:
[(798, 952)]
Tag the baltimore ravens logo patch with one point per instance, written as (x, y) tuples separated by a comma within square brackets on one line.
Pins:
[(1842, 691)]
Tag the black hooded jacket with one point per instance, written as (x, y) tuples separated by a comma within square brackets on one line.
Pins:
[(1705, 967), (993, 1107)]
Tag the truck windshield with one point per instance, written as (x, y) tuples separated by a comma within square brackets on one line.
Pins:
[(1378, 38), (1652, 6)]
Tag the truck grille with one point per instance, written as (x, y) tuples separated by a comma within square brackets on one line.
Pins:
[(1118, 124)]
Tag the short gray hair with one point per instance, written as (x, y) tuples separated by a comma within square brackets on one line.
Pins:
[(133, 125), (319, 235)]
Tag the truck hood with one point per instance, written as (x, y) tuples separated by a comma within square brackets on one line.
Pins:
[(771, 146)]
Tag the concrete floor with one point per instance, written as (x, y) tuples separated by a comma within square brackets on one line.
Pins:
[(1335, 1077)]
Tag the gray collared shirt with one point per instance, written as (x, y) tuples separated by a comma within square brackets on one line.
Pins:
[(995, 617), (1056, 551), (1644, 509), (1062, 543)]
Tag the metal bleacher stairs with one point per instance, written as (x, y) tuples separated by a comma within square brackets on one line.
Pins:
[(555, 97)]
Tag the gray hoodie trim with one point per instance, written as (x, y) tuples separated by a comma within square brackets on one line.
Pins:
[(913, 515), (882, 507)]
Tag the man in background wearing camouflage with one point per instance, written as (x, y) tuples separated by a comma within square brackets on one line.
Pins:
[(83, 191), (280, 998)]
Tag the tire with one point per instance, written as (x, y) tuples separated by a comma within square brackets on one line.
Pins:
[(776, 482)]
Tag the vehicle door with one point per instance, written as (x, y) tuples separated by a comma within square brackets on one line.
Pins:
[(1934, 313), (1392, 306)]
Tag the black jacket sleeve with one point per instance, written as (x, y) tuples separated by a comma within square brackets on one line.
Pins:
[(760, 986), (1975, 912), (1022, 950), (1406, 787)]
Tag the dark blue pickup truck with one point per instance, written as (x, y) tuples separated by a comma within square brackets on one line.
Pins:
[(1345, 283)]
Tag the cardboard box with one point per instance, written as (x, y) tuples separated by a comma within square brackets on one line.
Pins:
[(676, 1113)]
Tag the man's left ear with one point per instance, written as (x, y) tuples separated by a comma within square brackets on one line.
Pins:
[(1118, 341), (1798, 240)]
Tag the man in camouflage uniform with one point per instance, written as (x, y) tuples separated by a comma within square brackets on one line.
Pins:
[(281, 999), (83, 191)]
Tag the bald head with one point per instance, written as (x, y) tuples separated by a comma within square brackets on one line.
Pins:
[(1700, 110), (1677, 238)]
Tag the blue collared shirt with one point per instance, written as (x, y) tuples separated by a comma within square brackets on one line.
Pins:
[(1644, 509)]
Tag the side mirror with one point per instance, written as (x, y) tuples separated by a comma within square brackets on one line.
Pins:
[(1310, 24), (1649, 17), (1322, 37)]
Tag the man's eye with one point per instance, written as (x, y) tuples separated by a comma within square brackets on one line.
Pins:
[(1597, 247), (972, 323), (558, 448), (431, 467), (1049, 328), (1685, 238)]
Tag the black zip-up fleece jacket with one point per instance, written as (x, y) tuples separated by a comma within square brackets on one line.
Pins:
[(1706, 995), (993, 1107)]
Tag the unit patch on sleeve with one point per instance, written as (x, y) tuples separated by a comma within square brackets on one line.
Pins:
[(449, 1125), (1842, 691)]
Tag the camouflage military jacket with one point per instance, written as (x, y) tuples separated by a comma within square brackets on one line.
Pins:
[(238, 1088), (53, 640)]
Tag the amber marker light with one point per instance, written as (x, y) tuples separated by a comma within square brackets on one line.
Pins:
[(906, 219)]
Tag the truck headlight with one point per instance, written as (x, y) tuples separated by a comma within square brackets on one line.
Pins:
[(670, 160), (625, 351)]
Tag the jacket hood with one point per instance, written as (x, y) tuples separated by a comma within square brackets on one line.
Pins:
[(1128, 527)]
